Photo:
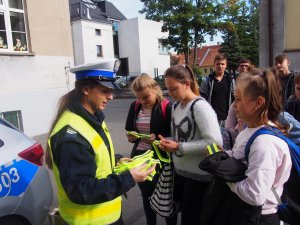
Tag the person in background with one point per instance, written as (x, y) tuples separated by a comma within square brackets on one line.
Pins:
[(258, 103), (293, 104), (149, 114), (194, 126), (218, 88), (286, 77), (244, 65), (81, 153)]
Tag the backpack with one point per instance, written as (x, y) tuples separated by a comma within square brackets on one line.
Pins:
[(163, 104), (289, 203)]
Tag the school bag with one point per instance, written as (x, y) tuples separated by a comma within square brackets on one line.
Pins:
[(289, 203)]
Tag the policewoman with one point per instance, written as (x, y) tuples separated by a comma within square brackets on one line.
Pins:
[(81, 153)]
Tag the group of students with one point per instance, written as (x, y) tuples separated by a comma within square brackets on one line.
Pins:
[(81, 153)]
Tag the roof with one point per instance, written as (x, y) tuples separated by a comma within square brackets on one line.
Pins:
[(95, 10), (110, 10), (205, 55)]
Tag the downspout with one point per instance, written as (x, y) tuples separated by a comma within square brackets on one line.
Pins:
[(270, 29)]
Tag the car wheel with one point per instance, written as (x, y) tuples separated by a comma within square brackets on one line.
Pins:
[(12, 221)]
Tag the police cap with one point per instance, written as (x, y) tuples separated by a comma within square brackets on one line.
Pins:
[(103, 72)]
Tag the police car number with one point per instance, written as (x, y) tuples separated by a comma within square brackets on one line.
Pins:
[(15, 177), (12, 176)]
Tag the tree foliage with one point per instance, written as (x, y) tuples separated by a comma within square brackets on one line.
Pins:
[(187, 21), (240, 31)]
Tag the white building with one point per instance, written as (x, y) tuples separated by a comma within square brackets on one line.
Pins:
[(94, 30), (35, 54), (140, 44)]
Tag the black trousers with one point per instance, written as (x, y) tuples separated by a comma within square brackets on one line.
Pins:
[(193, 195), (271, 219)]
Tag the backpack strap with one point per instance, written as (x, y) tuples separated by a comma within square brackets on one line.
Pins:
[(136, 105), (193, 116), (164, 103), (294, 149)]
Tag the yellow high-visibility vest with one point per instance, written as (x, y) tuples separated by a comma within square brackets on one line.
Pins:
[(96, 214)]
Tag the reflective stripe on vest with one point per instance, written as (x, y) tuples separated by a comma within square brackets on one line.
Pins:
[(96, 214), (213, 148)]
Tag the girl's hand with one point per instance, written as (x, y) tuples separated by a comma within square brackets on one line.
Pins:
[(139, 175), (167, 145), (131, 138), (122, 160), (149, 140)]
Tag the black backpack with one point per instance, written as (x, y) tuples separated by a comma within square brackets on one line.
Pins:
[(289, 203)]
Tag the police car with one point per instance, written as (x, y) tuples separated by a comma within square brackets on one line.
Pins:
[(25, 185)]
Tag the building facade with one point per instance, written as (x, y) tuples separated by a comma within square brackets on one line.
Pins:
[(141, 47), (279, 32), (35, 54), (94, 30)]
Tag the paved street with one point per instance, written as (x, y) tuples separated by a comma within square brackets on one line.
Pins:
[(116, 114)]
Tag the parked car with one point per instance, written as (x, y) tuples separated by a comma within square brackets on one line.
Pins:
[(25, 187), (125, 81)]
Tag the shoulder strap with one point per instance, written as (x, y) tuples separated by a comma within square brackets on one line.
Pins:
[(164, 104), (294, 149), (136, 106), (193, 116)]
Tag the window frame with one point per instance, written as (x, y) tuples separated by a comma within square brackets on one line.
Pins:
[(98, 32), (99, 50), (14, 117), (6, 10)]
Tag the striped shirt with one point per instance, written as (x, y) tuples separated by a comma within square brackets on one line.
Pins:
[(143, 126)]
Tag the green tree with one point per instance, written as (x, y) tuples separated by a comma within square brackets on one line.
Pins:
[(241, 31), (187, 21)]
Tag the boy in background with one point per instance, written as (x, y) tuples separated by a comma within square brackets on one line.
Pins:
[(293, 104)]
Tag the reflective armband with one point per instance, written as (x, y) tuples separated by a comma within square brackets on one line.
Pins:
[(212, 149)]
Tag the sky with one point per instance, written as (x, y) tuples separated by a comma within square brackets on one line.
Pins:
[(130, 9)]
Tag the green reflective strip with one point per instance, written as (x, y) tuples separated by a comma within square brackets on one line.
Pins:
[(210, 151), (154, 145), (213, 148), (146, 158), (138, 135)]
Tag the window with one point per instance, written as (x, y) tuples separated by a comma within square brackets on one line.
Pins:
[(13, 35), (98, 32), (14, 117), (99, 50), (162, 48), (205, 71)]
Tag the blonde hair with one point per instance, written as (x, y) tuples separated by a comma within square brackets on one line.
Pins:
[(266, 85), (146, 81)]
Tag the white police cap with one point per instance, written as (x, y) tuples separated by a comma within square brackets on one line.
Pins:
[(103, 72)]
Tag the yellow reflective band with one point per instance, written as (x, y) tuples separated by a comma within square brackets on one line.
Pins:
[(155, 145), (210, 151), (213, 148), (109, 207), (146, 158)]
